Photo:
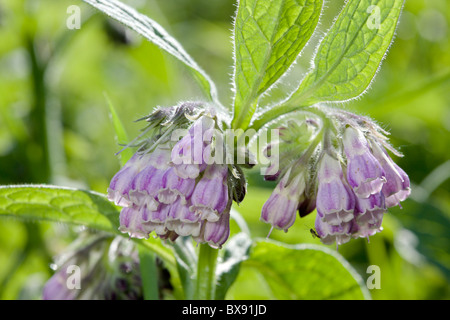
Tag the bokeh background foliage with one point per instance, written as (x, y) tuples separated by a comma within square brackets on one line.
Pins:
[(55, 128)]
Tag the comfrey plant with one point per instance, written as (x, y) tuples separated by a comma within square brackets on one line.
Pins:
[(336, 163), (189, 163), (331, 160), (177, 188)]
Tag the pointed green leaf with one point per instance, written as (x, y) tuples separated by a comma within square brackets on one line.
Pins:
[(156, 34), (351, 52), (149, 273), (186, 259), (71, 206), (235, 252), (304, 272), (269, 36), (58, 204)]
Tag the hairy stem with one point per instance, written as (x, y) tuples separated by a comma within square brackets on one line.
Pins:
[(206, 273), (273, 114)]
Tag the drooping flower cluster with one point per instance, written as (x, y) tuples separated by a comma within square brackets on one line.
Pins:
[(172, 186), (96, 267), (343, 171)]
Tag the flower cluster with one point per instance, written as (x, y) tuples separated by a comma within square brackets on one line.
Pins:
[(171, 186), (343, 171), (96, 267), (331, 161)]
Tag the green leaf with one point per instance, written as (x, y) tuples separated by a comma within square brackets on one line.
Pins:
[(186, 259), (269, 36), (149, 273), (156, 34), (236, 250), (419, 241), (121, 134), (305, 272), (71, 206), (58, 204), (351, 52)]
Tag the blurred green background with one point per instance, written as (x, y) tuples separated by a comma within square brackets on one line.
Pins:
[(55, 127)]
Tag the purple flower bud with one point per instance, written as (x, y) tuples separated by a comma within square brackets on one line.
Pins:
[(149, 180), (215, 233), (184, 228), (188, 171), (393, 192), (375, 202), (142, 198), (56, 287), (174, 186), (335, 200), (182, 220), (364, 173), (145, 186), (131, 222), (397, 186), (368, 216), (160, 157), (190, 149), (156, 216), (183, 151), (174, 190), (210, 196), (140, 180), (121, 183), (366, 228), (349, 178), (180, 211), (329, 233), (280, 209)]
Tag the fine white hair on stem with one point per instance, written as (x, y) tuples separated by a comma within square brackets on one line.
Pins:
[(233, 41)]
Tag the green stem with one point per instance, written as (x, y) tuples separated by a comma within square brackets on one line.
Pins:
[(242, 118), (149, 273), (38, 116), (274, 113), (206, 273)]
